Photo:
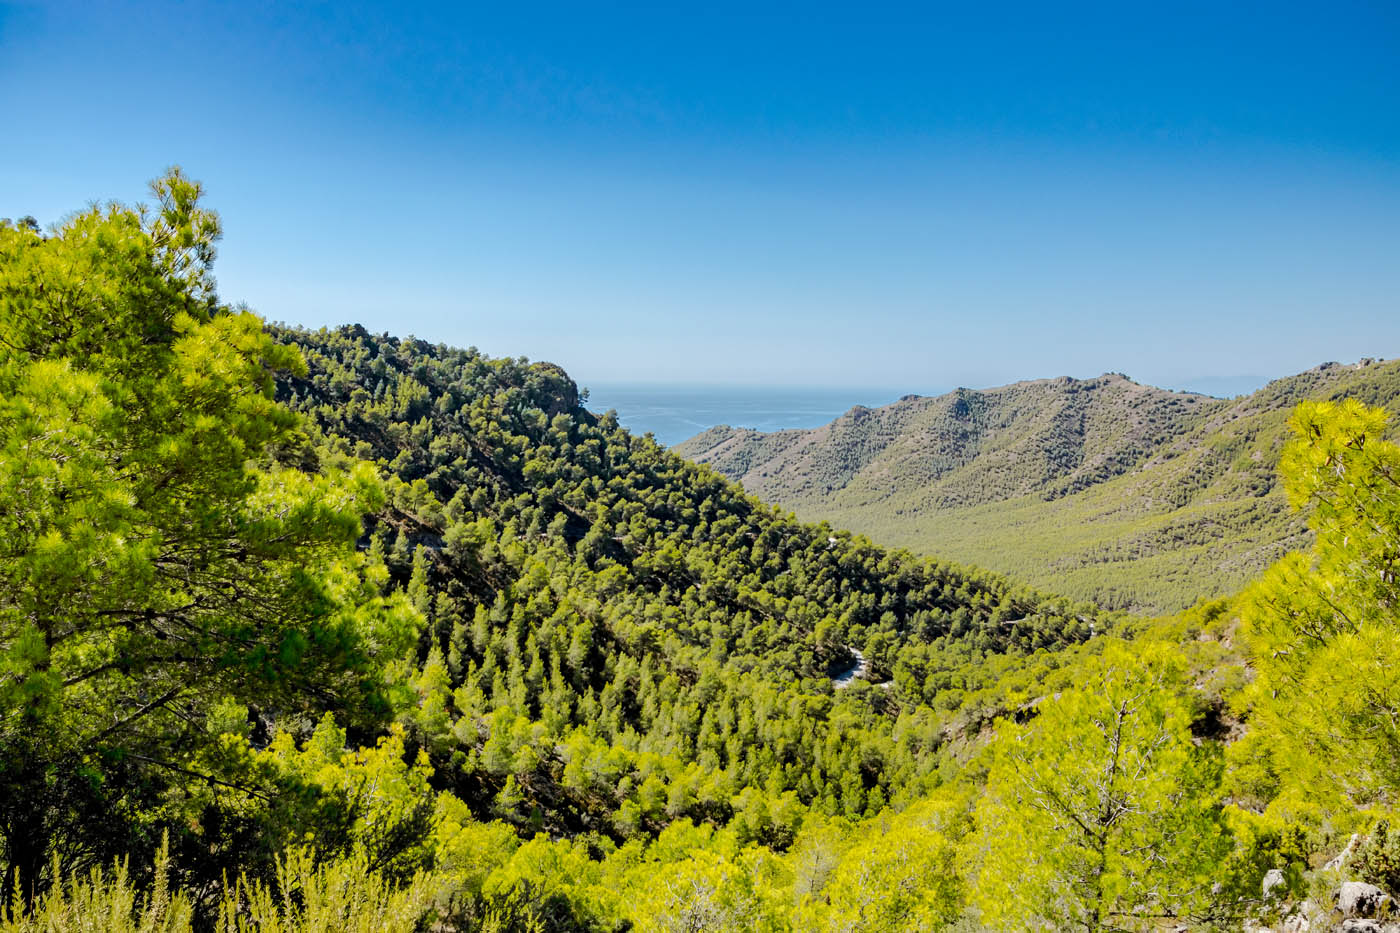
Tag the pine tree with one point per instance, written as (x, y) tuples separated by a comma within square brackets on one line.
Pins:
[(156, 559), (1101, 813), (1325, 627)]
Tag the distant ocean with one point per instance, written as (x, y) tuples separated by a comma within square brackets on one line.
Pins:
[(673, 413)]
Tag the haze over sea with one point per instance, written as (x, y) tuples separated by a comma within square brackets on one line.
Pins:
[(675, 412)]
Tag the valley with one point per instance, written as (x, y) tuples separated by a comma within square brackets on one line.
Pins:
[(316, 629), (1103, 489)]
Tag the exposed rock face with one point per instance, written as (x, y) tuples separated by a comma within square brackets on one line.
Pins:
[(1275, 885), (1345, 855), (1363, 926), (1359, 899)]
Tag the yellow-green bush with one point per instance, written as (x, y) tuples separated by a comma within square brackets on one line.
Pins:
[(336, 896), (341, 896), (105, 902)]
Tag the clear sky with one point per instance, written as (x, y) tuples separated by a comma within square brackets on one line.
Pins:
[(797, 194)]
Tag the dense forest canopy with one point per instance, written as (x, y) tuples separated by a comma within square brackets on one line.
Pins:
[(597, 587), (333, 630)]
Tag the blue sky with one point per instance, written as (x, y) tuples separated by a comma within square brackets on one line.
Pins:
[(1194, 194)]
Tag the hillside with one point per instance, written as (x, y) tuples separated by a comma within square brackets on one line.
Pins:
[(328, 630), (1128, 495), (275, 600), (594, 585)]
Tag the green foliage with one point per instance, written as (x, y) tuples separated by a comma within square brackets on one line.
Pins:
[(106, 903), (313, 896), (1049, 438), (708, 891), (1101, 813), (547, 676), (1377, 859), (616, 641), (1323, 627), (373, 802), (159, 555), (309, 896), (896, 872), (618, 638)]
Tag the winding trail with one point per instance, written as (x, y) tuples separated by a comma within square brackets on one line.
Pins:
[(847, 676)]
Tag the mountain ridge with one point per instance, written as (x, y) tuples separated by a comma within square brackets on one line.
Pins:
[(1066, 483)]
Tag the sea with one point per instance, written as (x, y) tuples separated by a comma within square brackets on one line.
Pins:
[(674, 412)]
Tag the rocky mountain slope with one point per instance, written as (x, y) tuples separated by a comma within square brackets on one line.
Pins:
[(1129, 495)]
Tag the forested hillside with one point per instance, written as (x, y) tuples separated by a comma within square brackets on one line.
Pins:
[(305, 632), (1103, 489), (1048, 438), (586, 589), (545, 623)]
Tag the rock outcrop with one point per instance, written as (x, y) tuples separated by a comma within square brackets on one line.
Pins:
[(1359, 899)]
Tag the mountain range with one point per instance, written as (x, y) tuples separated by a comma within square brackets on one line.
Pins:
[(1131, 496)]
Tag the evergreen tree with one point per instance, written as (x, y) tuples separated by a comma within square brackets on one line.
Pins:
[(1325, 627), (1101, 813), (158, 555)]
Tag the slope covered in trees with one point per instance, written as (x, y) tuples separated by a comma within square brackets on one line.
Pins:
[(1103, 489), (328, 631), (262, 587), (586, 589)]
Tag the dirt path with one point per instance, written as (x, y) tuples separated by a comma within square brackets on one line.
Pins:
[(847, 676)]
